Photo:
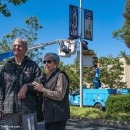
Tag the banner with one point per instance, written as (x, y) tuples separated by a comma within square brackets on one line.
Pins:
[(88, 25), (6, 55), (73, 21)]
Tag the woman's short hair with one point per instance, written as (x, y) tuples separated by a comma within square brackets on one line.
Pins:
[(53, 57)]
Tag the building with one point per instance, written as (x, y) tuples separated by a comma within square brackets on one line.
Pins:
[(126, 76)]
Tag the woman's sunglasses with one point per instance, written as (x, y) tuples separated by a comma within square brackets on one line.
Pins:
[(47, 61)]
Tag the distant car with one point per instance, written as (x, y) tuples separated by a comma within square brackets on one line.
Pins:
[(123, 91)]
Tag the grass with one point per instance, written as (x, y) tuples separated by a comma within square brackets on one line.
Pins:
[(94, 113)]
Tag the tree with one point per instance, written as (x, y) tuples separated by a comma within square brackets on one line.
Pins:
[(4, 8), (29, 34), (72, 71), (123, 34), (111, 71)]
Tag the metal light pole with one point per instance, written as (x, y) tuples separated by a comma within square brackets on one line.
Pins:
[(81, 58)]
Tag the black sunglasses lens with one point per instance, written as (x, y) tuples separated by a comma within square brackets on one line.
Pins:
[(44, 62), (48, 61)]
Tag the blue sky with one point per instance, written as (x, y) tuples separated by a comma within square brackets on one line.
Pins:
[(54, 17)]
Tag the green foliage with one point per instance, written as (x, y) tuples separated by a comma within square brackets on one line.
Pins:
[(86, 112), (110, 73), (127, 58), (93, 113), (4, 6), (111, 70), (29, 34), (73, 73), (123, 34), (118, 103), (118, 116), (88, 76)]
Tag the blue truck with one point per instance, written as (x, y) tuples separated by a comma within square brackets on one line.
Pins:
[(94, 97)]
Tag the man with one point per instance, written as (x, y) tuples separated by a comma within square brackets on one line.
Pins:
[(18, 99), (96, 80)]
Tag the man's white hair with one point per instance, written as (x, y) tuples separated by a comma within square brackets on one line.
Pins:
[(21, 39)]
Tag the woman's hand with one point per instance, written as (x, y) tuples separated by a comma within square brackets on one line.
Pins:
[(38, 87)]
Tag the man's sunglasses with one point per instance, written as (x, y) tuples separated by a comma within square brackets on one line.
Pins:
[(47, 61)]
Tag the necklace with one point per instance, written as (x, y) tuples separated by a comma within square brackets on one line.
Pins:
[(48, 75)]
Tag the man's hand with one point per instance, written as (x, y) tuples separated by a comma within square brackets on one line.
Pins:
[(22, 92)]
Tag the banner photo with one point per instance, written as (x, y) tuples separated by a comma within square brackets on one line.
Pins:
[(88, 25), (73, 21)]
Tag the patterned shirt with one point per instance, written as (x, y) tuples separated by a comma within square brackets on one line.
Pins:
[(12, 78), (60, 89)]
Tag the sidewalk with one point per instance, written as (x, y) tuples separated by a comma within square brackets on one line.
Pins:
[(76, 123), (40, 125), (71, 124), (103, 122)]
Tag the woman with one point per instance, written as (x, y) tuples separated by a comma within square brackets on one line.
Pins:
[(55, 94)]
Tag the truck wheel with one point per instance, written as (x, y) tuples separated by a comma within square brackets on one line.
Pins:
[(99, 106)]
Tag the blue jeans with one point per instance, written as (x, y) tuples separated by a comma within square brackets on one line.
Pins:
[(15, 121)]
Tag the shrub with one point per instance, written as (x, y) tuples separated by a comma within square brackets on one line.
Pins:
[(86, 112), (94, 113), (118, 103)]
